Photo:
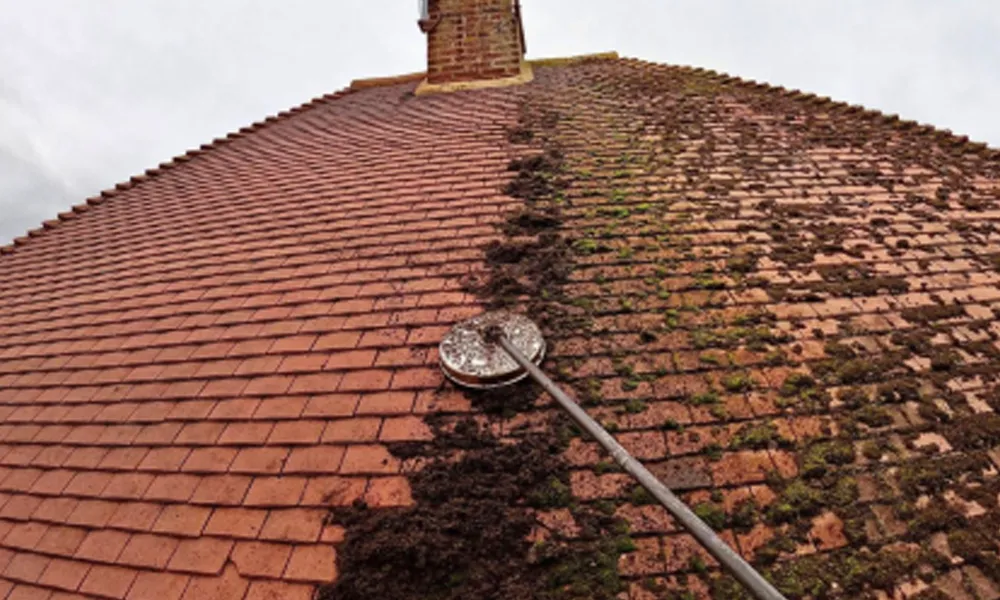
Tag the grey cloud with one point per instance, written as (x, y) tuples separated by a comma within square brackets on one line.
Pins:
[(93, 91)]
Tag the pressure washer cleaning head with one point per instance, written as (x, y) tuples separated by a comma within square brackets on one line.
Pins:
[(471, 354)]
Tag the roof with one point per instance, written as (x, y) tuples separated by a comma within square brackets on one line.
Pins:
[(782, 304)]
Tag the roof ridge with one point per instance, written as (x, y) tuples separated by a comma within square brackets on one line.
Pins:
[(943, 136), (152, 172)]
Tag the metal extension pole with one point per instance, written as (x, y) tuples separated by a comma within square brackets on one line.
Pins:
[(733, 562)]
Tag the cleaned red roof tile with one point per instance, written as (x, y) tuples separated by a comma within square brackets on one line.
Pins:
[(404, 429), (64, 574), (269, 386), (229, 586), (299, 432), (333, 341), (182, 519), (275, 491), (127, 486), (212, 459), (202, 555), (102, 545), (274, 590), (293, 525), (322, 383), (172, 488), (364, 381), (135, 516), (260, 460), (284, 407), (387, 403), (312, 564), (386, 492), (240, 523), (158, 586), (222, 490), (261, 559), (150, 551), (373, 459), (29, 592), (92, 513), (315, 459), (19, 507), (62, 541), (108, 582), (24, 566), (333, 491), (25, 535), (164, 459)]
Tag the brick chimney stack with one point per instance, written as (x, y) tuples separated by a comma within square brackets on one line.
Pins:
[(473, 40)]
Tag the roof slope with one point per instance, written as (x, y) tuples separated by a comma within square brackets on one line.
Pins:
[(786, 300), (194, 369)]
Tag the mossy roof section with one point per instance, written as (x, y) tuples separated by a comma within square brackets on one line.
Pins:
[(784, 300), (791, 303)]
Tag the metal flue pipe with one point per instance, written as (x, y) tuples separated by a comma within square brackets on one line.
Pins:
[(754, 582)]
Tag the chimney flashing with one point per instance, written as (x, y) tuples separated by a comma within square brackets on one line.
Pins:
[(526, 75)]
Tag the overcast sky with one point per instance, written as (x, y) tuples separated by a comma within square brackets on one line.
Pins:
[(94, 91)]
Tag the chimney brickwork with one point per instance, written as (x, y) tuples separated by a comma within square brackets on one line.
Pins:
[(473, 40)]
